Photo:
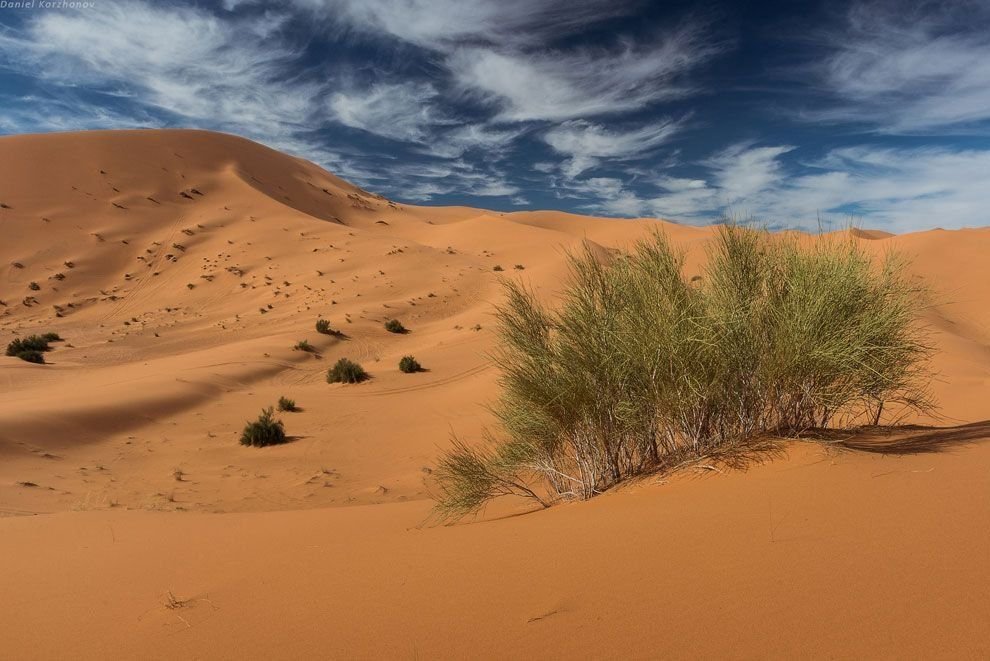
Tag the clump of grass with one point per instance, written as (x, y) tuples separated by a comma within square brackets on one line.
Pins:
[(266, 430), (304, 345), (640, 369), (395, 326), (324, 328), (34, 286), (51, 337), (409, 365), (346, 371), (498, 267), (286, 404)]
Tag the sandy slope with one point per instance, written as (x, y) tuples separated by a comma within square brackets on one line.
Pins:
[(130, 440)]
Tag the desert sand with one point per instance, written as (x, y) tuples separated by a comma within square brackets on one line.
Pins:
[(181, 268)]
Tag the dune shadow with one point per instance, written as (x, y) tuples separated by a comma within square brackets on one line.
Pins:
[(905, 439)]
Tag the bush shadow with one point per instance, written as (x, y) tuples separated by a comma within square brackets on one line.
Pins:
[(904, 439)]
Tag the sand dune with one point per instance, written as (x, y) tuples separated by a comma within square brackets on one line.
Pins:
[(181, 268)]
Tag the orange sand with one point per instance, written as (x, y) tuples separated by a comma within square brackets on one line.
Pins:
[(141, 489)]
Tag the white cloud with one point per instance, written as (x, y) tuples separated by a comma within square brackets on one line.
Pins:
[(586, 144), (66, 112), (181, 60), (742, 171), (442, 24), (455, 142), (910, 67), (402, 111), (895, 189), (424, 181), (586, 82)]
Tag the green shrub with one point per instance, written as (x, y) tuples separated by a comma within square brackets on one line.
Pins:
[(286, 404), (395, 326), (51, 337), (346, 371), (304, 345), (640, 369), (498, 267), (266, 430), (32, 356), (29, 343), (323, 327), (408, 364)]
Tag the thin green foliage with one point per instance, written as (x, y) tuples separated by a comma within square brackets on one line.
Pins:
[(264, 431), (640, 368)]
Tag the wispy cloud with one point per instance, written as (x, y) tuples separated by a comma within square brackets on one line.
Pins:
[(449, 24), (180, 60), (586, 144), (910, 67), (584, 82), (402, 111), (896, 189)]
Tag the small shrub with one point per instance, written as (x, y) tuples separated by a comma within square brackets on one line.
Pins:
[(498, 267), (34, 286), (51, 337), (395, 326), (346, 371), (286, 404), (304, 345), (29, 343), (266, 430), (323, 327), (32, 356), (519, 267), (408, 364)]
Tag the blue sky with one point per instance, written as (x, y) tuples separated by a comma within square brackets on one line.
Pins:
[(787, 111)]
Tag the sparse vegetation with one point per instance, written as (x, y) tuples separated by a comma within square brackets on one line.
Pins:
[(286, 404), (34, 286), (323, 327), (498, 267), (346, 371), (51, 337), (266, 430), (31, 356), (641, 369), (304, 345), (395, 326), (409, 365), (31, 348)]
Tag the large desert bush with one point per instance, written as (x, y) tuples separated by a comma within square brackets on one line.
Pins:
[(640, 368)]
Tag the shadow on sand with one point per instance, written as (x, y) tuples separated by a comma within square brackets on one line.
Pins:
[(904, 439)]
